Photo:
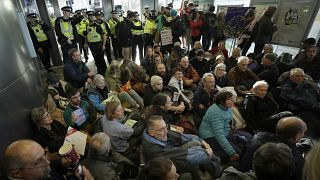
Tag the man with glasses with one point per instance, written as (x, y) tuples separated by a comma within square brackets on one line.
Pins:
[(185, 150), (25, 159)]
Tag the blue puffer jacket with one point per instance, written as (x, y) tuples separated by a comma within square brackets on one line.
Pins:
[(215, 123)]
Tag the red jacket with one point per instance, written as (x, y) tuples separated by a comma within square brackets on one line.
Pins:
[(214, 50), (195, 27)]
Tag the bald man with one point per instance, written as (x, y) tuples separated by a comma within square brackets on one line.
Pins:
[(25, 159), (289, 131)]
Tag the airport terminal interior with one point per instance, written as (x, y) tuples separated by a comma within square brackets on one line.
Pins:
[(160, 89)]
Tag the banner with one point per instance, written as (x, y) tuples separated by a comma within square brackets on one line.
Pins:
[(293, 21), (235, 20)]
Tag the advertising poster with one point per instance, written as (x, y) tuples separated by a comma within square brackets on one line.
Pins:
[(293, 20)]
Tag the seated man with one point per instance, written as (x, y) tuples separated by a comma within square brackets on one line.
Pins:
[(271, 161), (25, 159), (197, 45), (190, 75), (310, 63), (155, 87), (221, 49), (75, 71), (186, 151), (177, 82), (301, 55), (242, 78), (79, 114), (199, 63), (161, 70), (104, 163), (268, 48), (303, 98), (261, 111), (289, 131), (147, 62), (57, 89), (204, 96), (269, 70)]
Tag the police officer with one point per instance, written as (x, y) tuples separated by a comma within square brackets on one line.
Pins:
[(81, 27), (150, 29), (113, 22), (137, 33), (66, 32), (41, 43), (96, 40), (105, 27)]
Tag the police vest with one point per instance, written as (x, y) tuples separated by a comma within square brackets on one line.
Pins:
[(38, 31), (92, 35), (66, 29), (137, 32), (81, 26), (112, 25), (169, 19), (150, 27), (103, 26)]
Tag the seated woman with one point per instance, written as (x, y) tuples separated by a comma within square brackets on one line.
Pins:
[(50, 133), (98, 92), (215, 61), (215, 129), (162, 106), (128, 96), (119, 134), (261, 111), (220, 75)]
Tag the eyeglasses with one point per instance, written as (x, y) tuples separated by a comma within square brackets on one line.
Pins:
[(163, 129), (40, 163)]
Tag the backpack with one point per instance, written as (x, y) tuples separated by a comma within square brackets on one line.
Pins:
[(188, 127)]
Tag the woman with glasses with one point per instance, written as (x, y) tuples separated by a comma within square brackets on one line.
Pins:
[(49, 133)]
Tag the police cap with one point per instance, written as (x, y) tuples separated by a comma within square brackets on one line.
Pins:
[(78, 11), (114, 12), (67, 8), (136, 13), (90, 13), (32, 15), (99, 13)]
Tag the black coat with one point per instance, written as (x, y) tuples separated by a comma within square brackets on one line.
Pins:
[(257, 112), (263, 137)]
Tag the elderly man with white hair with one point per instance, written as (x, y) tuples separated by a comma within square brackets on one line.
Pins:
[(242, 78), (102, 162), (303, 98), (261, 111)]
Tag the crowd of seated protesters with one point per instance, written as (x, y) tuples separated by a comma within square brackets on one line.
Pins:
[(204, 88)]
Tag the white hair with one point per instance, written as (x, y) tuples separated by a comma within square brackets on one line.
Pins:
[(268, 46), (220, 65), (100, 143), (260, 83), (242, 58), (206, 75), (295, 71)]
